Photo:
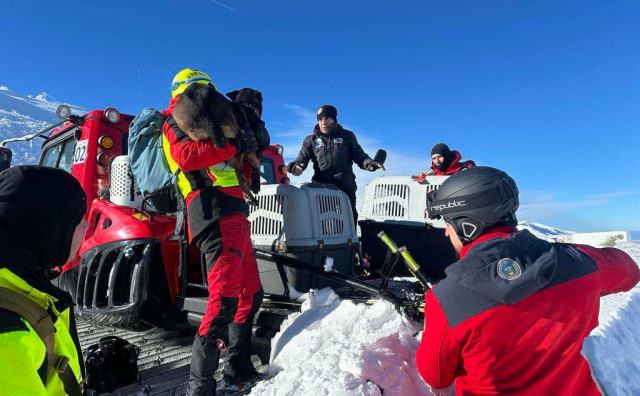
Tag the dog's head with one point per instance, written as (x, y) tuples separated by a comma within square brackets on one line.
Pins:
[(204, 113), (248, 97)]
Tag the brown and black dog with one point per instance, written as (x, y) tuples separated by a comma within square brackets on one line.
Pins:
[(248, 97), (203, 113)]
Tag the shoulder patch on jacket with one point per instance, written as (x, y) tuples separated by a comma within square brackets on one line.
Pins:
[(10, 321), (459, 303)]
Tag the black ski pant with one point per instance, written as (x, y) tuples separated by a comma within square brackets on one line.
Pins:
[(235, 295), (239, 366), (352, 198), (351, 194), (205, 352)]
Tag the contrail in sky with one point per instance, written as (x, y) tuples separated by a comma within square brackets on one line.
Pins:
[(224, 5)]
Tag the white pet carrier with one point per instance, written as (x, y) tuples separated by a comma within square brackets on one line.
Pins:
[(400, 199)]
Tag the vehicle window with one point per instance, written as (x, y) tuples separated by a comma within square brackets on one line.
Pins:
[(59, 155), (66, 157), (267, 171), (50, 156)]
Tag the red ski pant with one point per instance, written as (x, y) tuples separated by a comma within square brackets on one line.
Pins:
[(232, 275)]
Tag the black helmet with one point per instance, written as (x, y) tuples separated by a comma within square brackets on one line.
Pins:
[(475, 199)]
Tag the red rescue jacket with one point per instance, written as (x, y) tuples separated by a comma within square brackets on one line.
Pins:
[(455, 166), (499, 328), (205, 202)]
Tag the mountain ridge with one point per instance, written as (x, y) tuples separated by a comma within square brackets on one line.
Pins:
[(21, 115)]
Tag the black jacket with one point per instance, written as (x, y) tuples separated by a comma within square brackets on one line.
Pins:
[(333, 156)]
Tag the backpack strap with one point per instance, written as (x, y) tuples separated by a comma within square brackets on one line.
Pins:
[(42, 324)]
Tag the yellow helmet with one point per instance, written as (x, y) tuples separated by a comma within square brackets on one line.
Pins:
[(187, 76)]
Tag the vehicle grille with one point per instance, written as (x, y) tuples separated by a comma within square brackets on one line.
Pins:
[(113, 276)]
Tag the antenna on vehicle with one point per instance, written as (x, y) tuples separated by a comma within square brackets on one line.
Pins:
[(139, 85)]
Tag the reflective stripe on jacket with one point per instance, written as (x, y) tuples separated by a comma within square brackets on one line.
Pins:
[(210, 186), (203, 165), (23, 361)]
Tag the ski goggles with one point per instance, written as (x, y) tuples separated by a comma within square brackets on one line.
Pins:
[(188, 81)]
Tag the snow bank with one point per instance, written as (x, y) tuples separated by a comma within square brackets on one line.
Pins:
[(599, 239), (613, 348), (552, 234), (335, 347)]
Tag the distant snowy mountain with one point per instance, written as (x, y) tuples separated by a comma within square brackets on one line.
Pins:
[(602, 238), (542, 231), (21, 115)]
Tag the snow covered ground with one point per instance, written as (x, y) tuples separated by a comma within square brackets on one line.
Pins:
[(335, 347), (613, 348), (610, 238)]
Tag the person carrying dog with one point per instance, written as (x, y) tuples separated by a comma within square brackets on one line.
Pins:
[(444, 162), (217, 224), (333, 150), (512, 314), (39, 349)]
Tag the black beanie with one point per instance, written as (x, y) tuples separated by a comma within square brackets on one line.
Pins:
[(328, 111), (441, 149), (40, 208)]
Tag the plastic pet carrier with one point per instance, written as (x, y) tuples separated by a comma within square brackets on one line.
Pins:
[(313, 223), (397, 205)]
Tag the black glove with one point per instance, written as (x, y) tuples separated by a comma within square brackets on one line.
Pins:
[(372, 166), (292, 168), (248, 139)]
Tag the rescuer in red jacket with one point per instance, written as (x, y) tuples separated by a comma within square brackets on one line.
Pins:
[(444, 162), (512, 314), (218, 226)]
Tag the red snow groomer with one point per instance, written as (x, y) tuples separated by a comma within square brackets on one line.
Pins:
[(135, 269), (128, 270)]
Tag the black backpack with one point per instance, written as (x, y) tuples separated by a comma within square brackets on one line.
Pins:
[(111, 364)]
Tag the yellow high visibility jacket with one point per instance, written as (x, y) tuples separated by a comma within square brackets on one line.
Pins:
[(202, 164), (23, 362)]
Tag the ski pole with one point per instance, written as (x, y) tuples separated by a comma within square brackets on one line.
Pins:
[(334, 276), (414, 267), (410, 263), (388, 241)]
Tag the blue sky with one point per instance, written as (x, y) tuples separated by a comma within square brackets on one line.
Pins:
[(547, 90)]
